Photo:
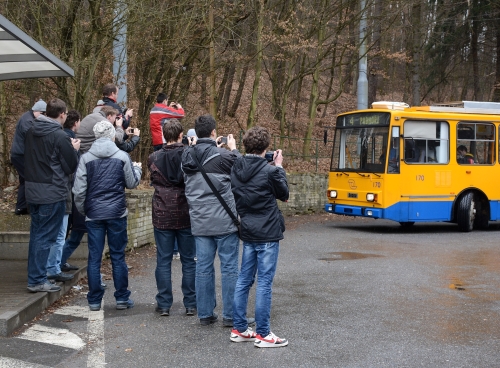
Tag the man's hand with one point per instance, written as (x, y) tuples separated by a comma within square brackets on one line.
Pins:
[(192, 140), (278, 157), (138, 164), (119, 122), (129, 113), (175, 105), (231, 142), (75, 143)]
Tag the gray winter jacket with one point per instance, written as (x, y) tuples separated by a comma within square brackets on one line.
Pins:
[(101, 178), (208, 217), (86, 131)]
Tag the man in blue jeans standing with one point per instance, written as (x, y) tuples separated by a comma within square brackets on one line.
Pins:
[(50, 159), (256, 185), (211, 225), (103, 173)]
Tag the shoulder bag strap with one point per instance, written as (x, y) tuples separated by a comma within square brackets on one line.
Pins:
[(215, 191)]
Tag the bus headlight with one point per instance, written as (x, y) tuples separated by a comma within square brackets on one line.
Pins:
[(332, 193), (370, 197)]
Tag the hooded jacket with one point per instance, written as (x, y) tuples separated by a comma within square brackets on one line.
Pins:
[(23, 125), (49, 161), (208, 217), (102, 175), (170, 207), (256, 185)]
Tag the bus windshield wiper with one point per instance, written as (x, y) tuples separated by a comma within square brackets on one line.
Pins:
[(346, 174), (375, 174), (360, 174)]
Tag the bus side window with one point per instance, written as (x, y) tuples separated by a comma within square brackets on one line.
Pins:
[(412, 152)]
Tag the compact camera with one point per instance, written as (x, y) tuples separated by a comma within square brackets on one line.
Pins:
[(269, 156), (185, 140), (223, 140)]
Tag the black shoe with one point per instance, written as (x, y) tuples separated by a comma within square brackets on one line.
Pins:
[(163, 311), (21, 211), (209, 320), (190, 311), (226, 322), (67, 267), (61, 277)]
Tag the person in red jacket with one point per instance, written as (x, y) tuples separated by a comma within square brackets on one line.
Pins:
[(161, 112)]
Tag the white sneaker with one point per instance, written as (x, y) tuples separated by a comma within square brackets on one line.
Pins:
[(270, 341), (237, 336)]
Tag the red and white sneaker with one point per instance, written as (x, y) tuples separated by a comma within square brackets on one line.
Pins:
[(270, 341), (237, 336)]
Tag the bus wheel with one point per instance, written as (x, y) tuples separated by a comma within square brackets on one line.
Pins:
[(481, 221), (466, 212), (407, 225)]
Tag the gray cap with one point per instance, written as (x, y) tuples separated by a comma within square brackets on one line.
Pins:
[(104, 129), (40, 105), (191, 133)]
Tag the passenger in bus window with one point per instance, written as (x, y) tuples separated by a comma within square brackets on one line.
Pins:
[(463, 157)]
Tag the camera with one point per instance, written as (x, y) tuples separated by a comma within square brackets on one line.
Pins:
[(223, 140), (185, 140), (269, 156), (132, 130)]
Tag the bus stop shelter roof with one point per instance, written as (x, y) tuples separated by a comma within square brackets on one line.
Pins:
[(21, 57)]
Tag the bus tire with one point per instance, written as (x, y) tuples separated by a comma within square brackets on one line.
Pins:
[(482, 219), (466, 212), (407, 225)]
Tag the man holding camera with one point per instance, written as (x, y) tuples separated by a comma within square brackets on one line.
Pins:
[(256, 185), (212, 227), (161, 112)]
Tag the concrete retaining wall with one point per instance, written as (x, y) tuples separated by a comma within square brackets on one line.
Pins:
[(307, 195)]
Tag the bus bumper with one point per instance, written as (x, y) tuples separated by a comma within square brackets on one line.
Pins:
[(354, 210)]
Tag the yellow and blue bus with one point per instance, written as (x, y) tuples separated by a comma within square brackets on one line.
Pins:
[(418, 164)]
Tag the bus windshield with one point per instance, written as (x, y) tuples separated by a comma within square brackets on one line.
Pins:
[(360, 149)]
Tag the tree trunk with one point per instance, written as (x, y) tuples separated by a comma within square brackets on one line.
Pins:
[(416, 25), (229, 88), (474, 49), (496, 87), (258, 66), (239, 93)]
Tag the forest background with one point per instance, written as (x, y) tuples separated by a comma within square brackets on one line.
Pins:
[(290, 66)]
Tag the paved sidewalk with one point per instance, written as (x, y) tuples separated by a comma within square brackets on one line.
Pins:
[(17, 304)]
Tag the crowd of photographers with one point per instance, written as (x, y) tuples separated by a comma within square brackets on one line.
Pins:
[(207, 196)]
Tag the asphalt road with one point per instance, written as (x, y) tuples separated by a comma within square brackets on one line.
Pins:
[(355, 293)]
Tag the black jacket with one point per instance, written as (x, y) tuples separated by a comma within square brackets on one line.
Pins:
[(256, 185), (23, 125), (49, 161), (110, 102)]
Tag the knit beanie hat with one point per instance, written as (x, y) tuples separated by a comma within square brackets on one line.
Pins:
[(191, 133), (104, 129), (40, 105)]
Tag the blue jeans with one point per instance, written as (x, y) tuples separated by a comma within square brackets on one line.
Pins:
[(165, 240), (228, 248), (260, 258), (116, 229), (46, 222), (73, 241), (54, 260)]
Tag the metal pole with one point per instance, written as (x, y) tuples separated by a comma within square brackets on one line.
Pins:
[(120, 52), (363, 68)]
